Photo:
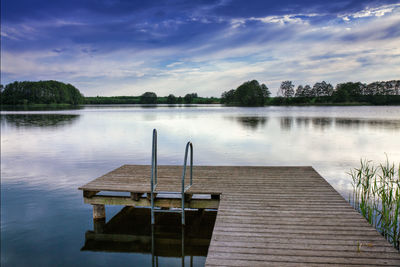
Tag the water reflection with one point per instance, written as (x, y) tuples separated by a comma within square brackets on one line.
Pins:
[(40, 107), (286, 123), (303, 121), (252, 122), (323, 123), (44, 161), (318, 123), (130, 231), (357, 123), (38, 120)]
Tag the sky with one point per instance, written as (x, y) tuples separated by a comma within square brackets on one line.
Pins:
[(128, 47)]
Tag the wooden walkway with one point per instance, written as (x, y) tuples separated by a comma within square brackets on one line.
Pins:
[(278, 216)]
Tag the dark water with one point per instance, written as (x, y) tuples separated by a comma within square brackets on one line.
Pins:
[(47, 155)]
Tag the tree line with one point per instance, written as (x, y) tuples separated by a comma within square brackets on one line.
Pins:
[(250, 93), (253, 94), (152, 99), (41, 92), (54, 92)]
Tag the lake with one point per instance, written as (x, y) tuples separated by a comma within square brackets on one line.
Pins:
[(47, 155)]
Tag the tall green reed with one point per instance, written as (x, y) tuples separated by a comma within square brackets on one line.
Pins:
[(376, 195)]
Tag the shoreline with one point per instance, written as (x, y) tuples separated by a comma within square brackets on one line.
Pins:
[(71, 106)]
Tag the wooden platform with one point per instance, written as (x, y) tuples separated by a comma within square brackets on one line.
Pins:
[(280, 216)]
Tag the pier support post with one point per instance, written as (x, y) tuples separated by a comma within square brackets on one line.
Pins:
[(136, 196), (99, 212)]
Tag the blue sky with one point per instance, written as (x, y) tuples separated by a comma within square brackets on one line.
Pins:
[(118, 47)]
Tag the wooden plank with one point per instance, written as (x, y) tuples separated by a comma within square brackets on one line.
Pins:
[(309, 241), (250, 263), (308, 236), (355, 253), (159, 202), (316, 259), (356, 247)]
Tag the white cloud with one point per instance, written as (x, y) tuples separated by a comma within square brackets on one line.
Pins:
[(226, 59), (174, 64), (280, 19), (370, 12), (284, 19)]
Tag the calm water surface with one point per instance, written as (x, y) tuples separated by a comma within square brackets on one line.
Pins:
[(46, 155)]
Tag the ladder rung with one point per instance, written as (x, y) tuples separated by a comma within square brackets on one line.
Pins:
[(168, 192), (171, 211)]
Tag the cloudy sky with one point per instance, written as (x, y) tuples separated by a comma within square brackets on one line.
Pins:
[(126, 47)]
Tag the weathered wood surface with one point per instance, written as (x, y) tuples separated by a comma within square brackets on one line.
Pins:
[(279, 216), (159, 202)]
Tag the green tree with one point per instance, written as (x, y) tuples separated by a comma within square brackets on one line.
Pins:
[(341, 95), (148, 98), (265, 91), (307, 91), (350, 91), (299, 91), (171, 99), (287, 89), (41, 92), (251, 93), (190, 97), (228, 97), (322, 89)]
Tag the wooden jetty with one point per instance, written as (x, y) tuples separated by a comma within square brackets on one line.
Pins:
[(279, 216)]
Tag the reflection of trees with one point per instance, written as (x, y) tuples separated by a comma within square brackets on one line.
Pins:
[(286, 123), (252, 122), (317, 122), (372, 123), (303, 121), (325, 122), (322, 123), (39, 120), (40, 108)]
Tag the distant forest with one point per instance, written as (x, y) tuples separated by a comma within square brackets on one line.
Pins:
[(54, 92), (152, 98), (251, 93)]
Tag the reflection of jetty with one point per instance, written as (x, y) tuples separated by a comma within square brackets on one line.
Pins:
[(284, 216), (131, 231)]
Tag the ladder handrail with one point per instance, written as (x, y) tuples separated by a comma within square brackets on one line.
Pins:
[(184, 189), (154, 157), (153, 173), (153, 180), (188, 145)]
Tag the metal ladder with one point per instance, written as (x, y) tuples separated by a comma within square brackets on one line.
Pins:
[(153, 179)]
